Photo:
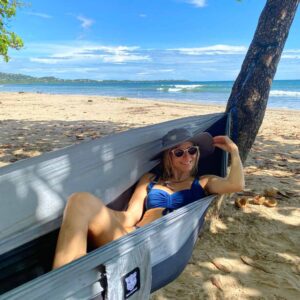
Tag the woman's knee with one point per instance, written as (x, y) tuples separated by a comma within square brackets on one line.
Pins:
[(83, 201)]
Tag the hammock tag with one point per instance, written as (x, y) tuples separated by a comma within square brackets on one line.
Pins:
[(129, 275), (131, 282)]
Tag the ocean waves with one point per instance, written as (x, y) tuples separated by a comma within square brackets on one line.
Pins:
[(279, 93), (181, 88), (284, 93)]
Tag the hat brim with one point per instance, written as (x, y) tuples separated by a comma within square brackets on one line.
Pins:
[(203, 140)]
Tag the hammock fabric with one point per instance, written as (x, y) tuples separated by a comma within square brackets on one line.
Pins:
[(33, 195)]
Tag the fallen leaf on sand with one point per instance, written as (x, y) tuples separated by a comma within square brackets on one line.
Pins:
[(79, 136), (258, 200), (250, 262), (241, 202), (221, 266), (270, 203), (216, 282), (271, 191)]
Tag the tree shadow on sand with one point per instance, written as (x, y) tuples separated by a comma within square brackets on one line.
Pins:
[(25, 139)]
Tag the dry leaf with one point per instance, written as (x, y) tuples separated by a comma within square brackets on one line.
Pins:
[(258, 200), (216, 282), (271, 191), (241, 202), (221, 267), (250, 262), (79, 136)]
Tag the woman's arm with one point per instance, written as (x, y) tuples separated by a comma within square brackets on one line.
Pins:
[(234, 182), (135, 208)]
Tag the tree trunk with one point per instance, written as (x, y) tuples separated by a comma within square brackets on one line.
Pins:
[(250, 92)]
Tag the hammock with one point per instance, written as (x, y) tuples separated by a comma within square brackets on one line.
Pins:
[(33, 195)]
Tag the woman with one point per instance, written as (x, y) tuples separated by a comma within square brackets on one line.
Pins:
[(86, 218)]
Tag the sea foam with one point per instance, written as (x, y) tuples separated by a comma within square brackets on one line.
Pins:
[(181, 88), (279, 93)]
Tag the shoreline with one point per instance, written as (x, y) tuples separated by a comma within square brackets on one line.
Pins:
[(267, 238), (163, 100)]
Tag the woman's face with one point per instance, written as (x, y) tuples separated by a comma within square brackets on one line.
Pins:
[(186, 162)]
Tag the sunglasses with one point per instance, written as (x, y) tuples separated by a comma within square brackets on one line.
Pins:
[(180, 152)]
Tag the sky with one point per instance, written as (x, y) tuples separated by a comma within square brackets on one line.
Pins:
[(198, 40)]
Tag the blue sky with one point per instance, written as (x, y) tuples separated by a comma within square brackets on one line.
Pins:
[(141, 39)]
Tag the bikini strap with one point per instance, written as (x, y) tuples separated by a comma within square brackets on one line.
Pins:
[(152, 183), (196, 181), (196, 186)]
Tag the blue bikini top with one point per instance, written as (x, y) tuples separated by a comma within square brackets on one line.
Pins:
[(161, 198)]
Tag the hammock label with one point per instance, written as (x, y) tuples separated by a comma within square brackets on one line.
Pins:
[(131, 282)]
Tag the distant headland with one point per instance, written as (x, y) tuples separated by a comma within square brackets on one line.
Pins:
[(11, 78)]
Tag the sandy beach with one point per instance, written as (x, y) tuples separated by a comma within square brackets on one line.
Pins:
[(245, 253)]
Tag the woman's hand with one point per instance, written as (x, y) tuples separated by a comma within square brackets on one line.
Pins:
[(225, 143)]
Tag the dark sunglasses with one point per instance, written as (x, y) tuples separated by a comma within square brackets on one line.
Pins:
[(180, 152)]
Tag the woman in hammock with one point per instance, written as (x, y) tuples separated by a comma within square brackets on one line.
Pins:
[(87, 219)]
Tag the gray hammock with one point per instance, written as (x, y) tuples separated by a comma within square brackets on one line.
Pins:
[(33, 194)]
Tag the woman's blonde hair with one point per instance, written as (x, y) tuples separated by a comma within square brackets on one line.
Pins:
[(167, 168)]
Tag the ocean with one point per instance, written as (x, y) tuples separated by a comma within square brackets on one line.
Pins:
[(284, 93)]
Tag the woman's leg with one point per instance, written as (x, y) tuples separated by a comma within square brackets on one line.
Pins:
[(85, 215)]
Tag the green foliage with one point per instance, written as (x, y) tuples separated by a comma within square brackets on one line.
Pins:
[(8, 39)]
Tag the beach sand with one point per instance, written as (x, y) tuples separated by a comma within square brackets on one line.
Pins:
[(248, 253)]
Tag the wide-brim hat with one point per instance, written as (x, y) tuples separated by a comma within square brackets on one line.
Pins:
[(177, 136)]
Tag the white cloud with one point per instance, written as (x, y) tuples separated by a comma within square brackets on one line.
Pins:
[(290, 56), (197, 3), (154, 72), (118, 58), (53, 70), (213, 50), (113, 50), (105, 54), (142, 15), (85, 22), (292, 51), (41, 15), (47, 61), (118, 54)]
